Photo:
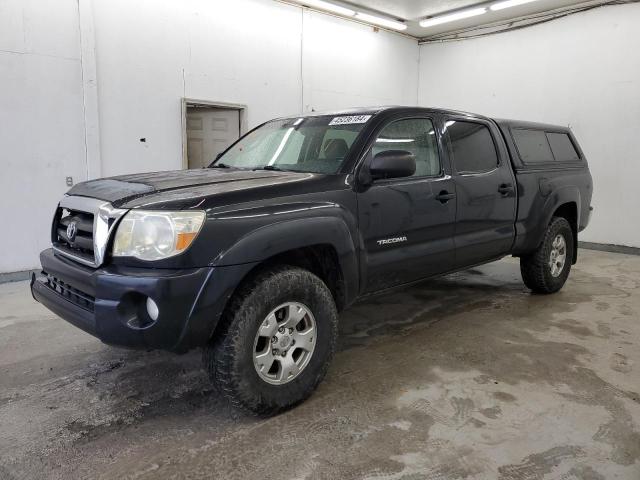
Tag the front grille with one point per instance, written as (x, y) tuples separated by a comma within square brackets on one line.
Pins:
[(92, 221), (74, 295), (81, 243)]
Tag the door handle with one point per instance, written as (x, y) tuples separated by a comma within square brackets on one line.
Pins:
[(444, 196), (505, 189)]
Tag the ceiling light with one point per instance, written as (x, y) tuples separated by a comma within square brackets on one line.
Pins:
[(509, 3), (329, 7), (395, 140), (383, 22), (452, 17)]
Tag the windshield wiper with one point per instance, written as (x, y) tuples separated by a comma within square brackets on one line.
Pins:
[(269, 167), (220, 165)]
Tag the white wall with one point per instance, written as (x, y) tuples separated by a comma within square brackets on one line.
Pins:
[(245, 52), (254, 52), (279, 59), (582, 71), (148, 55), (347, 64), (41, 121)]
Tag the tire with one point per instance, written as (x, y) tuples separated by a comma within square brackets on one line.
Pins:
[(229, 358), (536, 269)]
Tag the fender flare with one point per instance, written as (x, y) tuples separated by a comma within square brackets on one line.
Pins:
[(276, 238), (560, 196), (557, 198)]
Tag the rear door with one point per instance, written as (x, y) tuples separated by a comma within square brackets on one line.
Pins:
[(407, 223), (485, 187)]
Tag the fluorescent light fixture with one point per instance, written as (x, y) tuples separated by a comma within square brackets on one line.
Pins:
[(329, 7), (452, 17), (509, 3), (383, 22), (395, 140)]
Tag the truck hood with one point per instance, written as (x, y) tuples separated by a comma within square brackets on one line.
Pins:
[(131, 191)]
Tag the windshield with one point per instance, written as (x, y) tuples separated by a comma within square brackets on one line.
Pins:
[(306, 144)]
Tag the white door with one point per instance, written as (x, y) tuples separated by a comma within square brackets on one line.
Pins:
[(209, 132)]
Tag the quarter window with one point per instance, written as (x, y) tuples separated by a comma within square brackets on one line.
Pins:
[(562, 147), (415, 135), (538, 146), (472, 147)]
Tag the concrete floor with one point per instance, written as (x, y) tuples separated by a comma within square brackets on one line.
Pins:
[(468, 376)]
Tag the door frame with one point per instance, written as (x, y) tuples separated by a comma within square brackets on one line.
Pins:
[(503, 167), (192, 102)]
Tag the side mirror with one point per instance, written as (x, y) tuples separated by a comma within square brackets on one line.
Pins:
[(393, 164)]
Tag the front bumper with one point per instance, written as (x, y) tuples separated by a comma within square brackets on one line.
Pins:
[(110, 302)]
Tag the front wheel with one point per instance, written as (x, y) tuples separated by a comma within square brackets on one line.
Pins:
[(276, 341), (547, 269)]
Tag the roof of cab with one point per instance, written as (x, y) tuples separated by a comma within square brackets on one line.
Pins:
[(504, 124), (384, 108)]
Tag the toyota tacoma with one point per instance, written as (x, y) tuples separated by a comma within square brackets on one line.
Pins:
[(253, 257)]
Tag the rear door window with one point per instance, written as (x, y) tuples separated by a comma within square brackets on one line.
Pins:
[(562, 147), (532, 145), (472, 147)]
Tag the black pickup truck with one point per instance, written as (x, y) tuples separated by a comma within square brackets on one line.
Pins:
[(253, 257)]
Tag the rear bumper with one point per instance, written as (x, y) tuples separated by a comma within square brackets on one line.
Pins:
[(110, 302)]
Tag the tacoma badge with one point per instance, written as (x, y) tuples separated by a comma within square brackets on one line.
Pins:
[(392, 240)]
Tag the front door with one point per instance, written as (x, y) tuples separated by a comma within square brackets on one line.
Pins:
[(407, 224), (485, 188), (209, 132)]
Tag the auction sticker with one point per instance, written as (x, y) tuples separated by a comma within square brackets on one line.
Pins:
[(348, 120)]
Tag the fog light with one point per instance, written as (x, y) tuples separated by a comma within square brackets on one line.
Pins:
[(152, 309)]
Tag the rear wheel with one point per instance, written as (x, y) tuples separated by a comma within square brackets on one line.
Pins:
[(278, 337), (547, 269)]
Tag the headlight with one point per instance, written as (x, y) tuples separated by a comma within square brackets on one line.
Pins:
[(154, 235)]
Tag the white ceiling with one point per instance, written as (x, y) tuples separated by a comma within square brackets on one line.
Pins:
[(412, 11)]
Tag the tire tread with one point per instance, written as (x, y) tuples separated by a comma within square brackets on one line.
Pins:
[(220, 357), (534, 268)]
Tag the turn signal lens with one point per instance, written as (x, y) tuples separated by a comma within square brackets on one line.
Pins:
[(184, 240)]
